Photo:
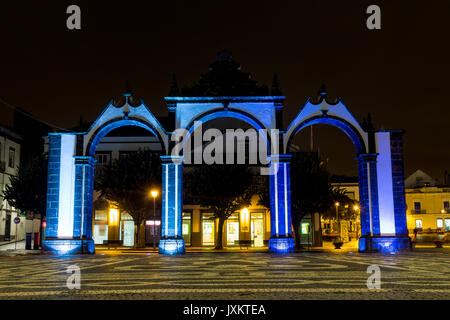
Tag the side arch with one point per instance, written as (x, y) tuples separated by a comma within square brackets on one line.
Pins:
[(115, 123), (349, 129)]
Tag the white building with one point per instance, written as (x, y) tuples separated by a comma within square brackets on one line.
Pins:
[(9, 164)]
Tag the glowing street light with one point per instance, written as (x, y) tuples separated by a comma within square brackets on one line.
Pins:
[(355, 208), (154, 194), (337, 218)]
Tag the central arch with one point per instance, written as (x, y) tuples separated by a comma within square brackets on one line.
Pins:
[(233, 114)]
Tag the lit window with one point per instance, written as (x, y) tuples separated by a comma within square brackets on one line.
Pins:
[(447, 224), (439, 223), (419, 224)]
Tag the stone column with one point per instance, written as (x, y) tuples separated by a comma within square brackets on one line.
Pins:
[(84, 189), (368, 195), (66, 205), (281, 240), (172, 241)]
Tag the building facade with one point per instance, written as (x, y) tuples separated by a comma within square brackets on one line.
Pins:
[(10, 143), (428, 205), (427, 208)]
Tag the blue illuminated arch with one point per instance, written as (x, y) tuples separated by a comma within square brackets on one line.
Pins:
[(340, 123), (117, 123), (221, 114)]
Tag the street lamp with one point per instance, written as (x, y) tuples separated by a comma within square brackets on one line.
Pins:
[(338, 220), (154, 194)]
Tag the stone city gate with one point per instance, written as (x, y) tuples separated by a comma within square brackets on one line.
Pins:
[(71, 161)]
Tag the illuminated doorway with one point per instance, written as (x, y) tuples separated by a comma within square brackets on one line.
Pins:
[(233, 230), (128, 233), (305, 233), (208, 230), (100, 232), (257, 229), (187, 227)]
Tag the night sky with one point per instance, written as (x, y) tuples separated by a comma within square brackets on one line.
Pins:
[(400, 74)]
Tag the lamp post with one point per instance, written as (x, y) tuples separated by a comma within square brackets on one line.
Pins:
[(337, 218), (154, 195)]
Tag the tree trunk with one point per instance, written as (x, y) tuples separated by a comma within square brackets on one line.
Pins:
[(220, 233), (136, 235), (298, 241)]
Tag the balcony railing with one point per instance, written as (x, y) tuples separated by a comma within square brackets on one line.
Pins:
[(418, 211)]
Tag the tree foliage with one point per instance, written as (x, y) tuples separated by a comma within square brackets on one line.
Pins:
[(27, 191), (223, 189), (127, 181), (311, 190)]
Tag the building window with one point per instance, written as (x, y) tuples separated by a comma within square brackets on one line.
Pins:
[(187, 227), (233, 229), (12, 156), (103, 158), (439, 223), (417, 207), (447, 224), (208, 229), (419, 223)]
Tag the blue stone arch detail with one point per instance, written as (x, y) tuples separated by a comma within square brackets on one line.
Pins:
[(340, 123), (107, 127), (235, 114)]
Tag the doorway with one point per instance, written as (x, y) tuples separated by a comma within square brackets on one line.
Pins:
[(208, 230), (128, 233), (233, 230), (257, 229)]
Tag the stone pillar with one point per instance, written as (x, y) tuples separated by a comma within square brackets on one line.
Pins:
[(368, 195), (382, 196), (66, 205), (398, 183), (281, 240), (84, 189), (172, 241)]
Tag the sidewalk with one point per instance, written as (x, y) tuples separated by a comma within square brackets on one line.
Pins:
[(11, 248), (327, 246)]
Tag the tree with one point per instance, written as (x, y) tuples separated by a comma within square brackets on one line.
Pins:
[(345, 210), (27, 191), (311, 190), (127, 181), (223, 189)]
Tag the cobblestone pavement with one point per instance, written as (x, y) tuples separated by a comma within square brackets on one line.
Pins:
[(240, 276)]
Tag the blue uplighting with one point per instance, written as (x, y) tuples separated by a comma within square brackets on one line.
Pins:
[(281, 245), (171, 246)]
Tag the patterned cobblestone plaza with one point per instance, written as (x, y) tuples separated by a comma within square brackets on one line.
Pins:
[(421, 274)]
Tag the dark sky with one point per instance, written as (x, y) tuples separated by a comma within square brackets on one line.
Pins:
[(399, 73)]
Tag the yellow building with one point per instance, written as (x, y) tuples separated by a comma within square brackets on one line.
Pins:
[(428, 207), (250, 226)]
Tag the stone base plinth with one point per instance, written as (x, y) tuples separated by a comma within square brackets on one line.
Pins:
[(384, 244), (68, 246), (281, 245), (171, 246)]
